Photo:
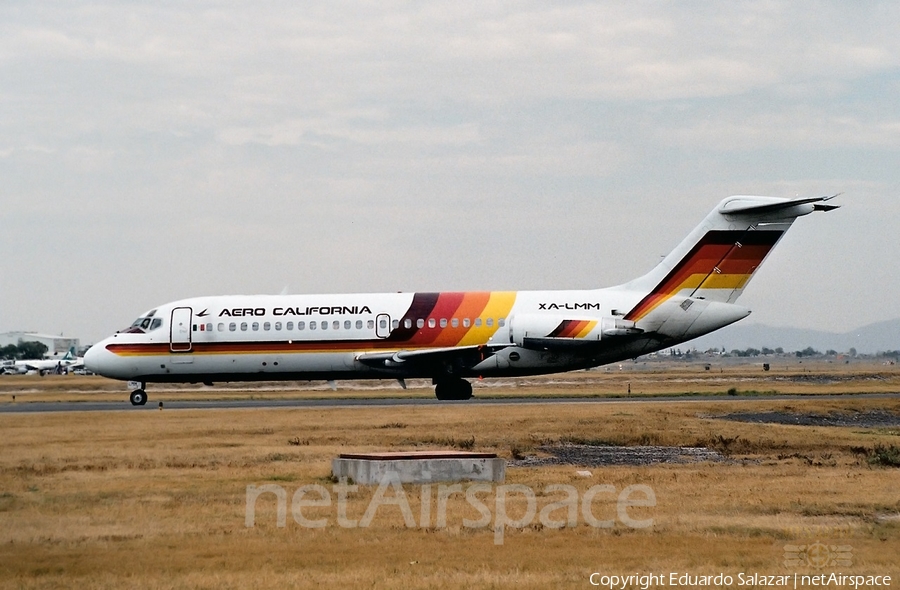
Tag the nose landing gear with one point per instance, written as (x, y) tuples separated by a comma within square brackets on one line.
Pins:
[(139, 396)]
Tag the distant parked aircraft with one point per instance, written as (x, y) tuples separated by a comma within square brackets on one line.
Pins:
[(65, 363), (449, 337)]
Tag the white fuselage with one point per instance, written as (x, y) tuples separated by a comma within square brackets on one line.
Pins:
[(229, 338)]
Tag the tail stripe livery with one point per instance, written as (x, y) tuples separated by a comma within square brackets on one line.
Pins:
[(723, 261)]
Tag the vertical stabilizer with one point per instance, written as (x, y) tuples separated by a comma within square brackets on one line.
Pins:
[(720, 256)]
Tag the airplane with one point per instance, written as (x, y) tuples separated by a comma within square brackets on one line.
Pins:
[(8, 367), (450, 337), (68, 361)]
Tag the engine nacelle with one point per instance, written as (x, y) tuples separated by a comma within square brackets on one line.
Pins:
[(545, 331)]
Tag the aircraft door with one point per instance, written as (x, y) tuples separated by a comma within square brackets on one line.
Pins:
[(180, 330), (383, 325)]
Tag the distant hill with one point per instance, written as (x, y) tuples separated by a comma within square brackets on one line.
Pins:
[(878, 337)]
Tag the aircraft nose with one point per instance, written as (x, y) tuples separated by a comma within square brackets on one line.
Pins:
[(94, 358)]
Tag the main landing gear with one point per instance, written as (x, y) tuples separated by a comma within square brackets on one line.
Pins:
[(447, 389), (139, 396)]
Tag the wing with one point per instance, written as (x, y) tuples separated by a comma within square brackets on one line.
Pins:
[(430, 361)]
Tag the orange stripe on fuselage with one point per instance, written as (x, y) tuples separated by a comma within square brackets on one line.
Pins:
[(573, 329)]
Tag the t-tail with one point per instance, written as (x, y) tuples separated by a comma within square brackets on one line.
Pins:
[(693, 290)]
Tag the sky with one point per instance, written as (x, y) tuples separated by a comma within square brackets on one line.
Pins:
[(154, 152)]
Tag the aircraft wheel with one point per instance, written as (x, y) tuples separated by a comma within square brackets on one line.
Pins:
[(138, 397), (453, 389), (464, 390)]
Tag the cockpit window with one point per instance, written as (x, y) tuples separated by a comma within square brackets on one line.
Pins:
[(144, 324), (135, 327)]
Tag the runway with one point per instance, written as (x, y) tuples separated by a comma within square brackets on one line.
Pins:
[(153, 405)]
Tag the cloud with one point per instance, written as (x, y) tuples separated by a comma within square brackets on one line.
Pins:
[(181, 149)]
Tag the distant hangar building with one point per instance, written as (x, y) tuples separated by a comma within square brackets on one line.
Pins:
[(54, 344)]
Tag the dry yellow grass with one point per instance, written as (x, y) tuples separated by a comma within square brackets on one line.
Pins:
[(157, 499)]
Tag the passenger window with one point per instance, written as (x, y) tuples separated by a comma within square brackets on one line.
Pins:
[(420, 323), (370, 324), (501, 322), (407, 323), (359, 324), (324, 325), (466, 322), (277, 326), (255, 326), (312, 325), (232, 327), (336, 325), (431, 322), (209, 327), (395, 324), (302, 325), (443, 322), (382, 324), (347, 324), (243, 326), (489, 322), (477, 322), (454, 322), (221, 327), (267, 326)]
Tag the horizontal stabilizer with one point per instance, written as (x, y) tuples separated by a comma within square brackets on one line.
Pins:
[(738, 207)]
